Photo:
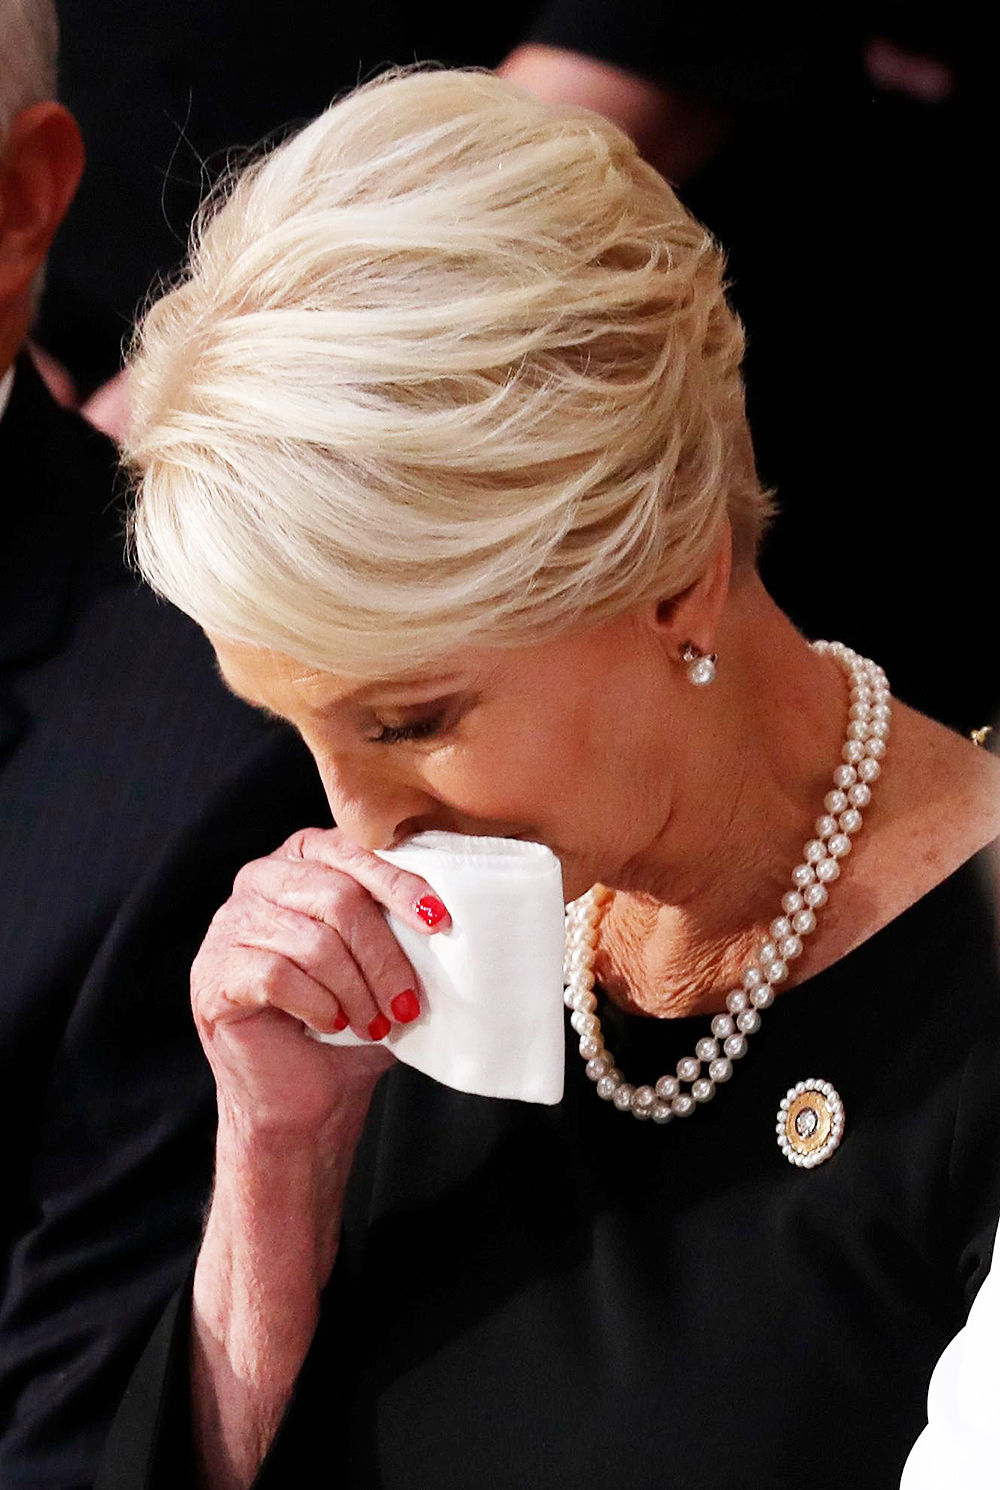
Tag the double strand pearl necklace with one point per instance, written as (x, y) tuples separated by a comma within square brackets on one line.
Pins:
[(678, 1096)]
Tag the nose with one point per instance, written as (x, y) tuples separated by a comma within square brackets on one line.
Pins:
[(373, 811)]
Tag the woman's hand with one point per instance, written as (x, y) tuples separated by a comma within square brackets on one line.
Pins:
[(303, 940)]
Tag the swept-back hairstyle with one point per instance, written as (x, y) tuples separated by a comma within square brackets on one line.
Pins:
[(448, 367), (29, 43)]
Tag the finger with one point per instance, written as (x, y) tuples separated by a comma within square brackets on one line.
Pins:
[(254, 978), (323, 905), (329, 895), (383, 964), (362, 967), (323, 955), (408, 896)]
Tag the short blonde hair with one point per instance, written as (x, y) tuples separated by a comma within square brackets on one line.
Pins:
[(29, 41), (449, 367)]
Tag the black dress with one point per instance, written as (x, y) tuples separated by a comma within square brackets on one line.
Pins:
[(562, 1297)]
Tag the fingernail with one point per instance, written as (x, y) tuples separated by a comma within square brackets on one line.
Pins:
[(431, 910), (405, 1006), (340, 1023), (379, 1027)]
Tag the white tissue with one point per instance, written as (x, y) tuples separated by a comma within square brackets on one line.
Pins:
[(492, 1016)]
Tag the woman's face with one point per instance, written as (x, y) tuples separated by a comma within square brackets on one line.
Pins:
[(573, 743)]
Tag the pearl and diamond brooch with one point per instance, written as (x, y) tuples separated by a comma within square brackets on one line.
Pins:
[(810, 1123)]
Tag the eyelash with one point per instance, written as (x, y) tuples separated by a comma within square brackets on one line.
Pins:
[(397, 734)]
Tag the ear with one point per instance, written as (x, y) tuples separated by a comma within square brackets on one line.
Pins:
[(696, 614), (40, 169)]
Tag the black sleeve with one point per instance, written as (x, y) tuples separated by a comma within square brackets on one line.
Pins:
[(150, 1446), (121, 1161), (317, 1447)]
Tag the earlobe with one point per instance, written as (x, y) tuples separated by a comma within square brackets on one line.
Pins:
[(39, 173), (688, 622), (700, 665)]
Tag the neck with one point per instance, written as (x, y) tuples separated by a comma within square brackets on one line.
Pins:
[(687, 916)]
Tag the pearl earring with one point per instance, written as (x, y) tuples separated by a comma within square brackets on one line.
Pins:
[(701, 666)]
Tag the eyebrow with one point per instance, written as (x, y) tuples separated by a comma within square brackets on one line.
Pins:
[(389, 689)]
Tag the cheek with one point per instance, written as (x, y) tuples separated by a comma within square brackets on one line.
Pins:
[(584, 774), (614, 786), (577, 792), (512, 776)]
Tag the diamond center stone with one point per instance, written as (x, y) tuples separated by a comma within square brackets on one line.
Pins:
[(806, 1122)]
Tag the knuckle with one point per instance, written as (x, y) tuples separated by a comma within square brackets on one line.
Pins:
[(399, 885), (271, 978), (208, 951), (217, 927), (304, 842), (347, 850), (218, 939), (246, 877), (320, 946), (353, 857), (346, 897), (217, 986), (297, 845), (234, 925)]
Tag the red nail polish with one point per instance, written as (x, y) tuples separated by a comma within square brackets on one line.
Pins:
[(405, 1006), (340, 1023), (379, 1027), (430, 910)]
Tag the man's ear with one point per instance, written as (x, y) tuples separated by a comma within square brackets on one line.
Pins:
[(694, 616), (40, 168)]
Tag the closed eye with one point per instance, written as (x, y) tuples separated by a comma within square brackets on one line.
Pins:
[(419, 729)]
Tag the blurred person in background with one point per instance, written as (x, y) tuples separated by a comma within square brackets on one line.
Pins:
[(132, 786), (165, 93)]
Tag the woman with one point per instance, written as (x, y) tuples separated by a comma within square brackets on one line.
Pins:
[(442, 441)]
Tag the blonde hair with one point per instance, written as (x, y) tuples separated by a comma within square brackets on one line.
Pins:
[(29, 41), (449, 367)]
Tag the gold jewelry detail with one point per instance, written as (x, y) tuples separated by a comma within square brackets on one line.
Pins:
[(978, 736), (810, 1123)]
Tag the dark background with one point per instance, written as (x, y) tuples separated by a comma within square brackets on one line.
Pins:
[(853, 214)]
